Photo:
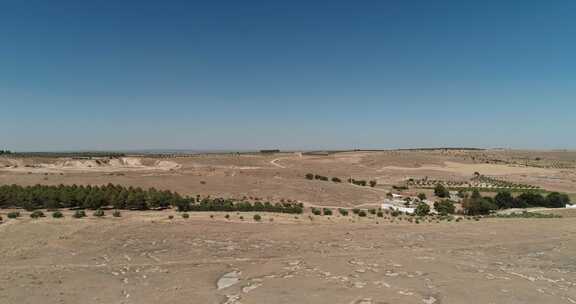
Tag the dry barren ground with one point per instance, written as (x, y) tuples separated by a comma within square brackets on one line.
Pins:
[(281, 176), (147, 258)]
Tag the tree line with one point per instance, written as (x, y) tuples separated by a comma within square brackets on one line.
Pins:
[(362, 183), (126, 198), (478, 204)]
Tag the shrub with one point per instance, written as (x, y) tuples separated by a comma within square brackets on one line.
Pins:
[(355, 210), (227, 216), (422, 196), (79, 214), (99, 213), (441, 191), (362, 213), (343, 212), (380, 214), (310, 176), (336, 180), (482, 205), (316, 211), (170, 217), (395, 213), (372, 211), (116, 213), (57, 214), (444, 207), (185, 215), (422, 209), (327, 211), (13, 215), (37, 214), (257, 217), (241, 218), (373, 183)]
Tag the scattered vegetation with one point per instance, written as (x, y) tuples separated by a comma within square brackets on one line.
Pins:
[(526, 214), (57, 214)]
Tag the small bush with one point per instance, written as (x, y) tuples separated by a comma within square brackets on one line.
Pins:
[(116, 213), (380, 214), (185, 215), (422, 209), (343, 212), (227, 216), (99, 213), (355, 210), (336, 180), (170, 217), (257, 217), (372, 211), (327, 211), (37, 214), (241, 218), (57, 214), (13, 215), (79, 214), (316, 211), (362, 213), (310, 176)]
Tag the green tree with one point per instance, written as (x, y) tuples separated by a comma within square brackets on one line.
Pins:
[(557, 200), (444, 207), (504, 200), (441, 191), (422, 209)]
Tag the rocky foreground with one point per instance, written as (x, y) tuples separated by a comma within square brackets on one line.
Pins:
[(148, 258)]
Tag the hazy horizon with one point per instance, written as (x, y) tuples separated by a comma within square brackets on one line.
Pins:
[(298, 75)]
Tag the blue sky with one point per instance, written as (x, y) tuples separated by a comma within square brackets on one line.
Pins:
[(288, 74)]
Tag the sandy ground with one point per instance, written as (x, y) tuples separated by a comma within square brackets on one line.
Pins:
[(144, 257)]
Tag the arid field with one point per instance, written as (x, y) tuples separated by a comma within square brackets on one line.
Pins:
[(228, 257)]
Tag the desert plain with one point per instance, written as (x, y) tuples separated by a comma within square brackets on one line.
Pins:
[(228, 257)]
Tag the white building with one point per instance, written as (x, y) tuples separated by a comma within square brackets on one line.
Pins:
[(406, 210)]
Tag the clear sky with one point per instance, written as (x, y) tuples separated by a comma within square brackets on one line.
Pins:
[(113, 74)]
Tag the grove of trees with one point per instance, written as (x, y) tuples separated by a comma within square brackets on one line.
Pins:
[(477, 204), (128, 198)]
